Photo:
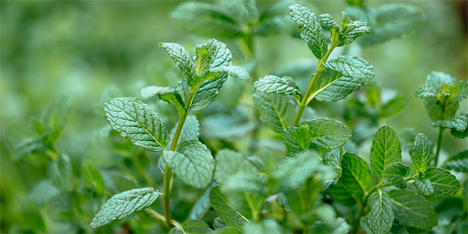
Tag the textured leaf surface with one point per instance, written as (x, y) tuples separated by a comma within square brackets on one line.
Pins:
[(412, 210), (322, 133), (311, 31), (422, 187), (421, 154), (327, 21), (338, 90), (459, 123), (279, 85), (458, 162), (167, 94), (351, 30), (275, 110), (182, 58), (206, 19), (192, 163), (356, 177), (395, 173), (357, 68), (224, 210), (135, 121), (123, 204), (445, 184), (380, 212), (385, 150)]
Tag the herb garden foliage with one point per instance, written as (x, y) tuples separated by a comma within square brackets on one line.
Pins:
[(320, 184)]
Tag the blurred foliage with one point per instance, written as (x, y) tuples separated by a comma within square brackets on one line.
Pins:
[(62, 58)]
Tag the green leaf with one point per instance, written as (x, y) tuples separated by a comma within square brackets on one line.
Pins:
[(459, 123), (422, 187), (43, 192), (351, 30), (265, 226), (311, 31), (323, 134), (124, 204), (195, 226), (412, 210), (275, 110), (392, 107), (275, 19), (190, 130), (167, 94), (327, 21), (229, 163), (395, 173), (458, 162), (224, 210), (380, 212), (201, 206), (55, 118), (60, 172), (91, 176), (182, 58), (393, 21), (356, 177), (278, 85), (385, 150), (294, 171), (330, 160), (135, 121), (32, 217), (243, 11), (357, 68), (421, 154), (338, 90), (192, 163), (339, 193), (445, 184), (28, 147), (206, 19)]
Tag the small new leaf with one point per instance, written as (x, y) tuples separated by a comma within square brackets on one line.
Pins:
[(225, 211), (421, 154), (385, 150), (351, 30), (192, 163), (167, 94), (124, 204), (395, 173), (182, 58), (135, 121), (327, 21), (380, 213), (422, 187), (311, 31)]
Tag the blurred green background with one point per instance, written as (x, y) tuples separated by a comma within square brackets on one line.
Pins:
[(81, 48)]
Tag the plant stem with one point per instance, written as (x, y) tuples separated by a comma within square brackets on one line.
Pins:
[(251, 206), (439, 145)]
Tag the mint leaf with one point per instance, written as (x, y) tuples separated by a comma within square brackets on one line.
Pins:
[(243, 11), (422, 187), (92, 177), (311, 31), (356, 177), (195, 226), (275, 110), (135, 121), (421, 154), (330, 160), (55, 118), (278, 85), (192, 163), (182, 58), (392, 107), (459, 123), (167, 94), (225, 211), (33, 217), (338, 90), (275, 19), (356, 68), (206, 19), (60, 172), (28, 147), (265, 226), (350, 30), (124, 204), (385, 150), (380, 212), (394, 21), (339, 194), (327, 21), (444, 183), (395, 173), (412, 210), (229, 163), (323, 134), (458, 162), (202, 206)]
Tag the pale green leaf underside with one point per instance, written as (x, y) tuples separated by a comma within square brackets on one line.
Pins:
[(275, 110), (385, 150), (192, 163), (356, 176), (357, 68), (380, 212), (311, 31), (123, 204), (421, 154), (458, 162), (135, 121), (225, 211), (322, 133), (412, 210)]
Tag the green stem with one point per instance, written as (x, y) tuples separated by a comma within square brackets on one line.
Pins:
[(439, 145), (251, 206)]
